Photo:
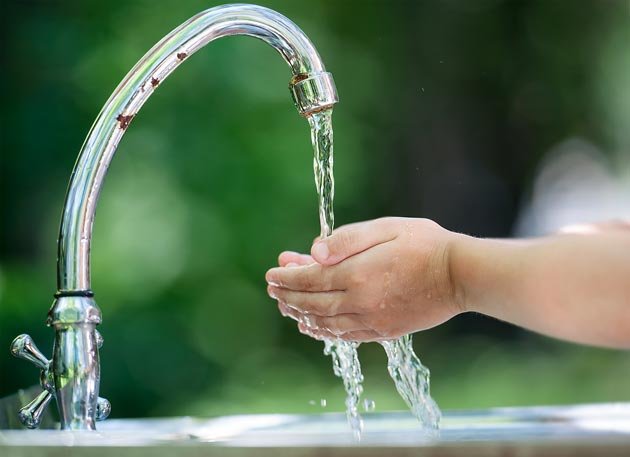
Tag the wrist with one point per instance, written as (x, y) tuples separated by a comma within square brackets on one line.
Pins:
[(461, 270), (481, 272), (492, 274)]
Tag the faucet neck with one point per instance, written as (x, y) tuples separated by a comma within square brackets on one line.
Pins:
[(311, 87)]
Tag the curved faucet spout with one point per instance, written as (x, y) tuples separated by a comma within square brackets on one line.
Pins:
[(311, 86), (74, 314)]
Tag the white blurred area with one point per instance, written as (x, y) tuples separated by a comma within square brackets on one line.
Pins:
[(575, 184)]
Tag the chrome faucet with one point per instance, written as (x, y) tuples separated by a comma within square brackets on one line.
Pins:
[(73, 374)]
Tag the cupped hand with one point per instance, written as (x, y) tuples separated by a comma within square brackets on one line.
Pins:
[(369, 281)]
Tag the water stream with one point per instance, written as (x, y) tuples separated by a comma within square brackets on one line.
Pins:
[(410, 377), (412, 380), (343, 353)]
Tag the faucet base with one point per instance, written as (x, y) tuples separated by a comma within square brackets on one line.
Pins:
[(75, 363)]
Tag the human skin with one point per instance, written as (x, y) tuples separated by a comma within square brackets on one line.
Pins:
[(381, 279)]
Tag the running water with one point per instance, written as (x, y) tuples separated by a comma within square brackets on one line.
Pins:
[(343, 353), (346, 366), (410, 376), (412, 380)]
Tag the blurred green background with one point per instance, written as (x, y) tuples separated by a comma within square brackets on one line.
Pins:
[(448, 109)]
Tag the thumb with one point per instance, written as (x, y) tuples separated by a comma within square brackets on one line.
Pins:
[(352, 239)]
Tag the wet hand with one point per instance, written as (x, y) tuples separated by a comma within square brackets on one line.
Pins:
[(369, 281)]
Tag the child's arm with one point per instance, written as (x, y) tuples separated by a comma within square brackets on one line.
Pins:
[(384, 278), (570, 286)]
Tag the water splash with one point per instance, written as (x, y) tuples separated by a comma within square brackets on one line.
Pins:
[(412, 380), (346, 366), (410, 376), (369, 405)]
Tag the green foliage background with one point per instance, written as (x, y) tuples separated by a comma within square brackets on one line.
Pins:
[(446, 110)]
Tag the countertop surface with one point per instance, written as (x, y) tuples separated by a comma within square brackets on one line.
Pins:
[(577, 430)]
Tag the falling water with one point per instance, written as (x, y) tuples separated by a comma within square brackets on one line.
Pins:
[(346, 365), (343, 353), (412, 380), (410, 376)]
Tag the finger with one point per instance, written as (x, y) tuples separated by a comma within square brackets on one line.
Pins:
[(319, 303), (305, 278), (287, 312), (301, 318), (318, 335), (337, 325), (362, 336), (294, 314), (287, 257), (352, 239)]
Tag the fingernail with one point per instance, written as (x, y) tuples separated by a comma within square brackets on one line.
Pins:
[(320, 251), (272, 294), (270, 279)]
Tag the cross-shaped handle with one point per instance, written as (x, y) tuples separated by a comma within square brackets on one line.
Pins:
[(30, 415)]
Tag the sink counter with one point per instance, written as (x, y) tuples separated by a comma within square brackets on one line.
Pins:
[(579, 430)]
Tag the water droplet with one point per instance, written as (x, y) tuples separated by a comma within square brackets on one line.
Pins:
[(322, 402), (369, 405)]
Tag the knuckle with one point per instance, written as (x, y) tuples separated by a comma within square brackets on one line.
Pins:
[(342, 242), (328, 278), (428, 224), (306, 283), (387, 222), (303, 280)]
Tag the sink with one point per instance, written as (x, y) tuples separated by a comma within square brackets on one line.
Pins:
[(595, 429)]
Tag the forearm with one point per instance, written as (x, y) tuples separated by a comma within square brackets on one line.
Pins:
[(574, 287)]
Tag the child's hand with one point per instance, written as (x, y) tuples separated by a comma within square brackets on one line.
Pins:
[(369, 281)]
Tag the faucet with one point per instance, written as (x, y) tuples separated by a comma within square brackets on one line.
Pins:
[(72, 377)]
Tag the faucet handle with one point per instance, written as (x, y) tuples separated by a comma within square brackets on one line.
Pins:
[(24, 348), (103, 408), (99, 339), (31, 414)]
